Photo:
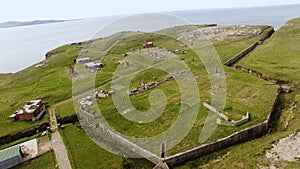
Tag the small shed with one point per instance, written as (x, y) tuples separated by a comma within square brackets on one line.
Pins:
[(83, 60), (10, 157)]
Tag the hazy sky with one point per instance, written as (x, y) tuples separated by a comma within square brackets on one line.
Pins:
[(72, 9)]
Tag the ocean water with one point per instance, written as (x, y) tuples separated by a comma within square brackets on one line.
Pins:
[(21, 47)]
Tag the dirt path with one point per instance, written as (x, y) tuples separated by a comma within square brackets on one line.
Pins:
[(44, 145), (57, 143)]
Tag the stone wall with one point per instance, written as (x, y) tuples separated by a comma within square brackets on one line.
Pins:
[(66, 120), (234, 123), (241, 55), (238, 57), (260, 75), (239, 137), (25, 133)]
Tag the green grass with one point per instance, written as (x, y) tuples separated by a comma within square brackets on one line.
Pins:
[(85, 153), (5, 79), (236, 46), (18, 142), (247, 155), (278, 57), (44, 161), (52, 84), (49, 82), (66, 110), (245, 93)]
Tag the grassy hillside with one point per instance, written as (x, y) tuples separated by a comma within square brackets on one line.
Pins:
[(245, 92), (252, 153), (51, 82), (84, 153), (279, 56)]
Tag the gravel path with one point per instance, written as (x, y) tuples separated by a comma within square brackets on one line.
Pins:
[(60, 151), (287, 149), (57, 144)]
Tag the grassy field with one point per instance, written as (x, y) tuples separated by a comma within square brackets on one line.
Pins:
[(245, 93), (251, 153), (46, 161), (84, 153), (51, 82), (278, 57)]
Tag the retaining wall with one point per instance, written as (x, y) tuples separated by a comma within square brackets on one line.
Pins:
[(66, 120), (242, 136), (260, 75), (34, 130), (25, 133), (239, 56)]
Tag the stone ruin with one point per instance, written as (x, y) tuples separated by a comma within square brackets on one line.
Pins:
[(89, 100), (224, 120), (143, 88)]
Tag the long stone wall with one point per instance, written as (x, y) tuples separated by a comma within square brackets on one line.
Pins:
[(238, 137), (239, 56), (242, 136), (25, 133), (66, 120), (260, 75)]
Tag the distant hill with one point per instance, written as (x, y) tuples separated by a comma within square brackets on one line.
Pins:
[(36, 22)]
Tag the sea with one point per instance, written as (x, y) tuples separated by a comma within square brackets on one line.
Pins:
[(21, 47)]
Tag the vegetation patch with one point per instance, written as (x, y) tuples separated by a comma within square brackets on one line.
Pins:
[(278, 57), (87, 154)]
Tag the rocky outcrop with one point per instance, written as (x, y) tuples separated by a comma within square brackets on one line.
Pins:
[(48, 55)]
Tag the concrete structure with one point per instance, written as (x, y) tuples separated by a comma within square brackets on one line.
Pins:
[(285, 89), (224, 120), (83, 60), (10, 157), (233, 123), (215, 111), (91, 66), (151, 85), (103, 94), (33, 110), (238, 137)]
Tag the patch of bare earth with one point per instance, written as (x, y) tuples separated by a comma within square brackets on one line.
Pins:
[(43, 145), (285, 151), (220, 33)]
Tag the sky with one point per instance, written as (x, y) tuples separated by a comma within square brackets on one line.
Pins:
[(26, 10)]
